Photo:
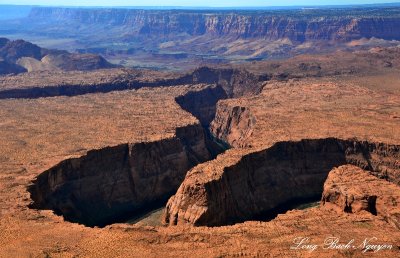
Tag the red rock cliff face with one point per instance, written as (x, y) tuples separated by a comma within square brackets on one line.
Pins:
[(108, 184), (263, 181), (296, 25), (233, 124), (370, 194)]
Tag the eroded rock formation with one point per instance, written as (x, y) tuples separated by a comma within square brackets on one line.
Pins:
[(235, 82), (262, 181), (353, 190), (111, 184), (296, 25), (233, 124), (25, 56)]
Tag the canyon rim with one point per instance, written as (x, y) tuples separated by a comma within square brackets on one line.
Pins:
[(192, 131)]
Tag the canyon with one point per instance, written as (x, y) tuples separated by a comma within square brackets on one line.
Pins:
[(108, 185), (180, 39), (55, 83), (232, 157), (218, 160), (260, 182)]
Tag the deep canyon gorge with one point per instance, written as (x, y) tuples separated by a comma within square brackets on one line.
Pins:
[(129, 132), (112, 184)]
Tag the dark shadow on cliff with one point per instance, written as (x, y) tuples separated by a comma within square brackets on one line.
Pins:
[(117, 183), (235, 82), (202, 104), (272, 181)]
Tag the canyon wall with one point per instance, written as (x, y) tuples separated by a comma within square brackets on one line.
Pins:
[(114, 183), (233, 124), (296, 25), (262, 182), (235, 82)]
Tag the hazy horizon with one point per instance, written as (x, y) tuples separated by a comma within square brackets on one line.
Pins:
[(185, 3)]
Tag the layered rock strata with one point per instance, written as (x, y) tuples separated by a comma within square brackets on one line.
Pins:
[(231, 82), (261, 182), (369, 194), (295, 25), (111, 184), (233, 124)]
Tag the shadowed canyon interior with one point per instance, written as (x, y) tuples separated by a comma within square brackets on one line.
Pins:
[(268, 182), (117, 183), (109, 185), (199, 132)]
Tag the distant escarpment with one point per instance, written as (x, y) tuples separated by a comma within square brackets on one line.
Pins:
[(264, 182), (115, 183), (22, 56), (296, 25)]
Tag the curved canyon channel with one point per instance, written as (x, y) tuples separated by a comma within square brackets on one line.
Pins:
[(124, 182)]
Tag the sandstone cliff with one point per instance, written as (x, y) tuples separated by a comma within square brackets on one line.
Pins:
[(295, 25), (114, 183), (264, 181), (370, 194), (235, 82), (233, 124)]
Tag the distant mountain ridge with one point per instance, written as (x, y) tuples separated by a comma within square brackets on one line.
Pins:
[(22, 56), (181, 39), (297, 25)]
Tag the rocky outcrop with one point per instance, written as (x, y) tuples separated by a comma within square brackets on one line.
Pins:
[(264, 181), (111, 184), (76, 62), (34, 65), (295, 25), (369, 194), (14, 52), (233, 124)]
